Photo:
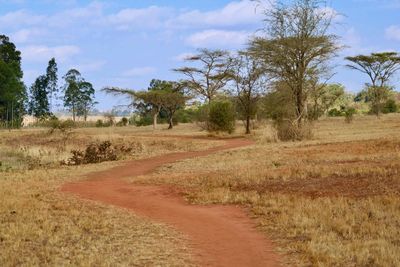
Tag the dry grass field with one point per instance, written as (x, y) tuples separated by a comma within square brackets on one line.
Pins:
[(330, 201), (41, 226)]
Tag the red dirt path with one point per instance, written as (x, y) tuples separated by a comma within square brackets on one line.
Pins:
[(220, 235)]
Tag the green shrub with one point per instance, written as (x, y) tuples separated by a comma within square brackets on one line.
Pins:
[(144, 121), (221, 117), (349, 114), (335, 113), (99, 123), (390, 106)]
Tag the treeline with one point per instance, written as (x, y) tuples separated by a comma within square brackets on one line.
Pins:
[(16, 100), (283, 75)]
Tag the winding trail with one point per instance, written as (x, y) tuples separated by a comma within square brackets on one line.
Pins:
[(220, 235)]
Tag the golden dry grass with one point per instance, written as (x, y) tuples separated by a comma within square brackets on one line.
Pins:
[(39, 226), (330, 201)]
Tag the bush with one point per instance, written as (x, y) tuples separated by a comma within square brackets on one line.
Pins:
[(335, 113), (288, 131), (63, 126), (99, 123), (349, 114), (390, 107), (221, 117), (94, 153), (144, 121)]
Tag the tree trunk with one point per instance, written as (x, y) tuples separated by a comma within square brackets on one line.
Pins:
[(171, 123), (155, 121), (248, 124)]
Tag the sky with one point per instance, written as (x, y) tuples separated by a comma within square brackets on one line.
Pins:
[(128, 43)]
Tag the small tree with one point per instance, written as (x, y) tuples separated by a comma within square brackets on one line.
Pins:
[(78, 94), (213, 74), (249, 83), (161, 95), (39, 104), (221, 117), (377, 97)]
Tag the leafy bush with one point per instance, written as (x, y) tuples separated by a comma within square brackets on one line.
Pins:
[(94, 153), (221, 117), (349, 114), (99, 123), (390, 106), (335, 113), (144, 121)]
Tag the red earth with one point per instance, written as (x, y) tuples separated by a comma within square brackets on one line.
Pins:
[(220, 235)]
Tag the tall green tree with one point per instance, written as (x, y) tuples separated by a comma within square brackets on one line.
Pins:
[(42, 92), (12, 90), (39, 105), (296, 49), (52, 79), (78, 94)]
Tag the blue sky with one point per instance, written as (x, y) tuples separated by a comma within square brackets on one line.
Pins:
[(127, 43)]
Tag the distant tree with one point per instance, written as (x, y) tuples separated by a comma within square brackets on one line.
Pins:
[(296, 50), (78, 94), (380, 68), (323, 97), (52, 79), (12, 90), (161, 95), (211, 76), (249, 84), (86, 101), (39, 103)]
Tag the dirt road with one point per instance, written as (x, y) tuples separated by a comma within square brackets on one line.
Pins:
[(220, 235)]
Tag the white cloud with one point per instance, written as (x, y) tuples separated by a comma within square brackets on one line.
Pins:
[(218, 39), (151, 17), (244, 12), (26, 35), (41, 53), (142, 71), (393, 33), (20, 18)]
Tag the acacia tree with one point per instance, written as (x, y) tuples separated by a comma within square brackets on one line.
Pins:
[(161, 95), (249, 84), (212, 74), (296, 49), (380, 68)]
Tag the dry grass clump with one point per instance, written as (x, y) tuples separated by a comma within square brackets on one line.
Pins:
[(331, 201), (42, 227)]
